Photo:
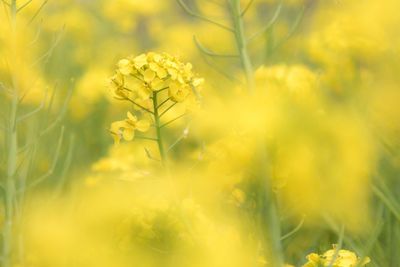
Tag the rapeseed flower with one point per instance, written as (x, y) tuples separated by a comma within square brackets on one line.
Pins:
[(154, 72), (126, 128)]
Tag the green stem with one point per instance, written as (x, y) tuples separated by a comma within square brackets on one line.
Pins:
[(12, 155), (241, 43), (157, 125), (10, 185), (13, 12), (338, 247)]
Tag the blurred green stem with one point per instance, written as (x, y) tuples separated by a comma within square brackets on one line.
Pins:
[(10, 185), (12, 152), (270, 223), (13, 13), (158, 126), (241, 42)]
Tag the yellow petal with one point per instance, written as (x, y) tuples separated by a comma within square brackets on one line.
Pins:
[(125, 66), (116, 137), (178, 92), (144, 92), (157, 58), (154, 67), (143, 125), (365, 261), (158, 84), (149, 75), (140, 61), (173, 73), (115, 126), (162, 73), (313, 257), (128, 134), (131, 117)]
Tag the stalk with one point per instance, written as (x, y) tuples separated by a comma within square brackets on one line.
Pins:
[(241, 43), (13, 12), (12, 152), (10, 184), (158, 126), (269, 210)]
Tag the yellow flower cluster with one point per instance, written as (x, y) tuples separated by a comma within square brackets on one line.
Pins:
[(336, 258), (149, 81), (138, 77)]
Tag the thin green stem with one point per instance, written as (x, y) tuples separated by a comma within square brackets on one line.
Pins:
[(4, 2), (297, 228), (13, 13), (209, 52), (10, 184), (38, 11), (246, 8), (201, 17), (162, 89), (241, 43), (165, 111), (292, 30), (269, 24), (171, 121), (162, 103), (12, 155), (176, 142), (146, 138), (391, 205), (140, 106), (24, 5), (157, 125), (338, 247)]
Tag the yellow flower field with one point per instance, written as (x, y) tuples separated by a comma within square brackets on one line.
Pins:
[(199, 133)]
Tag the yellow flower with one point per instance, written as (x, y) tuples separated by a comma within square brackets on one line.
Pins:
[(158, 84), (125, 66), (116, 84), (149, 75), (126, 129), (140, 61), (153, 72), (313, 260), (334, 258), (178, 92), (161, 72)]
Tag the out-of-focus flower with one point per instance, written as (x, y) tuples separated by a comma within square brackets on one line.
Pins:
[(126, 14), (296, 81), (238, 197), (336, 258), (88, 93), (115, 224), (126, 129)]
